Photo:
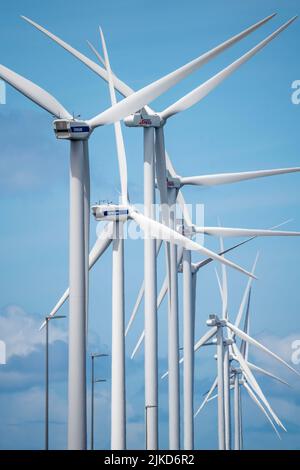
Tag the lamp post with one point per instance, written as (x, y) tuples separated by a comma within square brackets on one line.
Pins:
[(93, 355), (47, 319)]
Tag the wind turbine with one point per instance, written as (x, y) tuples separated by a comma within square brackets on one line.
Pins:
[(118, 375), (149, 124), (78, 132), (237, 355), (238, 380)]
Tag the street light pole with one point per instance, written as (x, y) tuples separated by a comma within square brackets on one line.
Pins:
[(47, 387), (47, 319), (93, 355)]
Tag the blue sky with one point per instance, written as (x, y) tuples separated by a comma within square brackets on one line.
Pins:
[(248, 123)]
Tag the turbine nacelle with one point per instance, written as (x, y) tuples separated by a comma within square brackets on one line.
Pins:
[(143, 119), (71, 129), (186, 230), (214, 320), (112, 212), (174, 182)]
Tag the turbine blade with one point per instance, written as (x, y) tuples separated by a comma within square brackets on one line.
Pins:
[(161, 174), (244, 232), (161, 232), (219, 285), (253, 341), (251, 379), (147, 94), (102, 243), (267, 373), (138, 344), (141, 295), (200, 92), (226, 178), (201, 264), (120, 86), (213, 397), (57, 306), (245, 346), (260, 406), (160, 298), (245, 295), (180, 198), (117, 127), (99, 57), (206, 399), (198, 345), (35, 93), (186, 70), (224, 285), (135, 308), (205, 338)]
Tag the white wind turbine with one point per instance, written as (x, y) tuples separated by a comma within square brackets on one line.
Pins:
[(78, 132), (118, 375), (236, 354), (150, 122), (119, 214), (238, 380)]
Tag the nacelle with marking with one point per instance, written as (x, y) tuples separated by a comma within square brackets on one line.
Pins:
[(143, 120), (112, 212), (71, 130)]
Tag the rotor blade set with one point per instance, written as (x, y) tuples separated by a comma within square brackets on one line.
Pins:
[(230, 338)]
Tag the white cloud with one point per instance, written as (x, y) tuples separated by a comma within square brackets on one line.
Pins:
[(20, 331)]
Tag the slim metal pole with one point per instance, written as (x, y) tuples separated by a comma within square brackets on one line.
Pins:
[(150, 299), (92, 403), (47, 386), (47, 320), (77, 432), (220, 360)]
